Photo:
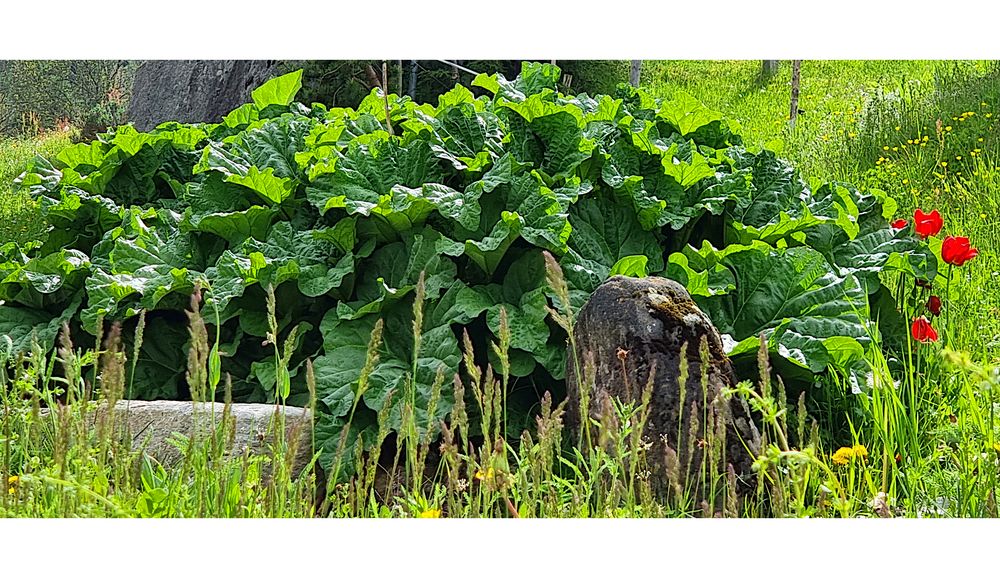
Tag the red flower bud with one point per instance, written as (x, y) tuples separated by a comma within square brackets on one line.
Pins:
[(927, 224), (934, 305), (956, 250), (899, 224), (922, 331)]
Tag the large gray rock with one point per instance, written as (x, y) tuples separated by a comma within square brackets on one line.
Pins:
[(643, 324), (194, 90), (152, 423)]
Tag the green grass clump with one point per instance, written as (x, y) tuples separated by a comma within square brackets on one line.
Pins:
[(19, 218)]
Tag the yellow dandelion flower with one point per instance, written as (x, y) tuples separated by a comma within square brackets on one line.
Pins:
[(860, 451), (430, 513), (485, 474), (843, 455)]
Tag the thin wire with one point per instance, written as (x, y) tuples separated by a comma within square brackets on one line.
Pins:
[(459, 66)]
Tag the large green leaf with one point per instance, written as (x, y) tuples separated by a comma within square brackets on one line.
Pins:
[(392, 272), (792, 296), (605, 232), (346, 344), (25, 326), (280, 91)]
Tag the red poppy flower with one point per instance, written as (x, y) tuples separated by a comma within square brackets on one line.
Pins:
[(922, 331), (956, 250), (927, 224), (934, 305), (899, 224)]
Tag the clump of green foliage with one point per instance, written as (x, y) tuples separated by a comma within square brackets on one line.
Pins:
[(89, 94), (309, 228)]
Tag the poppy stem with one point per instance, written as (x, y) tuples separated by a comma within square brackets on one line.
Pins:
[(947, 314)]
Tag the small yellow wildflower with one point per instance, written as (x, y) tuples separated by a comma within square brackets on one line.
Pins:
[(944, 163), (885, 148), (843, 455), (989, 115), (12, 484), (983, 216), (485, 475), (982, 104), (947, 128), (430, 513), (852, 134), (895, 149), (860, 451), (906, 181), (898, 127)]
